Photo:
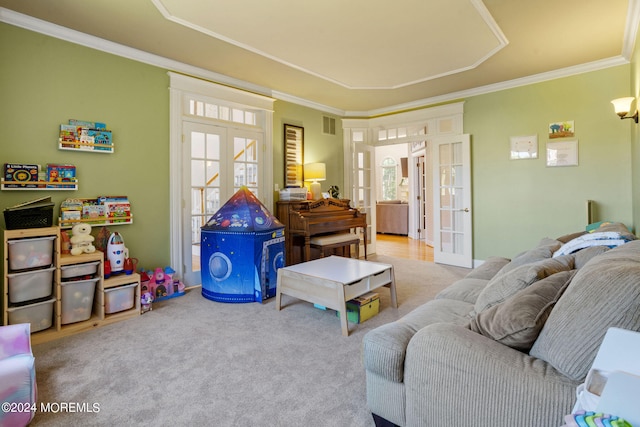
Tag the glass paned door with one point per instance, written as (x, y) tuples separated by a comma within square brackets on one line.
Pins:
[(204, 147), (421, 186), (362, 185), (245, 163), (452, 201)]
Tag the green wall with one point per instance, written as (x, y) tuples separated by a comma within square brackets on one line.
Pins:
[(635, 133), (318, 147), (44, 82), (516, 202), (48, 81)]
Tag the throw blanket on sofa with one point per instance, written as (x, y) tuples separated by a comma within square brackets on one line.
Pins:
[(609, 234), (603, 238)]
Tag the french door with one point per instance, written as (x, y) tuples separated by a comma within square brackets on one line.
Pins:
[(217, 161), (362, 197), (421, 191), (452, 201)]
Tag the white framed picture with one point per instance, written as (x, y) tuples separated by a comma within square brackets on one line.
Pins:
[(524, 147), (562, 153)]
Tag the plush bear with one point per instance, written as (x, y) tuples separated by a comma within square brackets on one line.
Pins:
[(81, 239)]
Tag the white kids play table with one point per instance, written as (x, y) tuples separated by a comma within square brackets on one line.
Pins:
[(334, 280)]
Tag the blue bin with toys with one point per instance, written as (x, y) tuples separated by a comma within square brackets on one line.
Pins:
[(241, 249)]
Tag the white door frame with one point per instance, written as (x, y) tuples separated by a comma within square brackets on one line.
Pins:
[(452, 222), (181, 89), (431, 122)]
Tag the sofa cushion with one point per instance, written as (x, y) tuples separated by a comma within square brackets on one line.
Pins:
[(505, 285), (603, 294), (583, 256), (568, 237), (466, 289), (384, 348), (545, 249), (517, 321), (488, 269)]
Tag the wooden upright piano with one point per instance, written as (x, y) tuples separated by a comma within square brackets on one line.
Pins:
[(306, 219)]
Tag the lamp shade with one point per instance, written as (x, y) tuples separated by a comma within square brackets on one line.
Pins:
[(622, 106), (315, 172)]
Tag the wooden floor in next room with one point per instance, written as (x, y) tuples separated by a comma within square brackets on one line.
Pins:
[(403, 247)]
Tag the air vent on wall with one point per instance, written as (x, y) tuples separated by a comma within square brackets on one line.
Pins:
[(328, 125)]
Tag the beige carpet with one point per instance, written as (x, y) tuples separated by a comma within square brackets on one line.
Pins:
[(194, 362)]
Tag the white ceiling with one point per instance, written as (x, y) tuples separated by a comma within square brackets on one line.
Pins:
[(356, 57)]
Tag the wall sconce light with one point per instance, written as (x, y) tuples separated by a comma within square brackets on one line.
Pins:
[(315, 172), (622, 106)]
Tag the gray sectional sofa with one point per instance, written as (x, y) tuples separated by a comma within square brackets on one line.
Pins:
[(508, 344)]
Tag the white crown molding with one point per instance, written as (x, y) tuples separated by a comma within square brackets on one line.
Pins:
[(282, 96), (73, 36), (631, 29), (63, 33), (481, 90)]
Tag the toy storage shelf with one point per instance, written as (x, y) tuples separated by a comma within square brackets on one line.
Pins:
[(98, 316), (39, 185), (123, 280), (99, 222), (85, 146)]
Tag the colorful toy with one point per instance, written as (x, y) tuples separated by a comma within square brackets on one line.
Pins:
[(145, 300), (241, 249), (116, 252), (81, 239), (161, 284)]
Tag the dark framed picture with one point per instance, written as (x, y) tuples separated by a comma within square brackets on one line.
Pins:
[(293, 156)]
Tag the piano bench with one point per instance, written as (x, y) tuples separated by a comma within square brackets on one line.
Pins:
[(335, 241)]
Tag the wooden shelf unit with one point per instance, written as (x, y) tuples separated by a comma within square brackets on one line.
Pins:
[(40, 185), (97, 222), (98, 316)]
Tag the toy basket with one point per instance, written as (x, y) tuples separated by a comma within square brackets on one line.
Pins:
[(30, 215)]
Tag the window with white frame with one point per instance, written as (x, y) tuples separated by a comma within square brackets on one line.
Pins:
[(389, 179)]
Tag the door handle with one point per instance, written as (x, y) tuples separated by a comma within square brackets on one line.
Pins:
[(466, 209)]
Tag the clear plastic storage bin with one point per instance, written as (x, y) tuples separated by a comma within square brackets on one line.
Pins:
[(120, 298), (30, 285), (77, 300), (39, 315), (75, 270), (30, 253)]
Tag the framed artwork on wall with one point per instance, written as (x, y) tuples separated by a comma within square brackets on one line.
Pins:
[(561, 129), (562, 153), (293, 156), (524, 147)]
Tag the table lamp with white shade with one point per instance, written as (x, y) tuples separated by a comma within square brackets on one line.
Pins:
[(315, 172)]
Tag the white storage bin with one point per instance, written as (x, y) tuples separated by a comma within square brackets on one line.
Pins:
[(119, 298), (39, 315), (30, 285), (30, 253), (75, 270), (77, 300)]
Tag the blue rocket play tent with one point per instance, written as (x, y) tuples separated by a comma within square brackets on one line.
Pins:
[(241, 249)]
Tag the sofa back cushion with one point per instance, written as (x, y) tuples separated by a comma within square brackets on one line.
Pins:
[(504, 285), (517, 321), (543, 250), (488, 269), (604, 293)]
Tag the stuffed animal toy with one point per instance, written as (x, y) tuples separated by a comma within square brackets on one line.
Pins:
[(81, 239)]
